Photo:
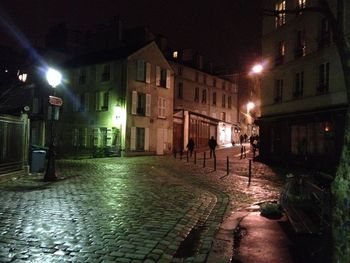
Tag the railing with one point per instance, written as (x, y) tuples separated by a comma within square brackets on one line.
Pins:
[(13, 143)]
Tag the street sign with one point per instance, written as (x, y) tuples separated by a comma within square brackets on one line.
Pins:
[(56, 101)]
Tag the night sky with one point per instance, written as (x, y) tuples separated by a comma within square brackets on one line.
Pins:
[(222, 30)]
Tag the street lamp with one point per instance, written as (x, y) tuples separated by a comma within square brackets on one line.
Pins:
[(54, 78)]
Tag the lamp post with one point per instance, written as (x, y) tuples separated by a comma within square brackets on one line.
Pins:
[(54, 79)]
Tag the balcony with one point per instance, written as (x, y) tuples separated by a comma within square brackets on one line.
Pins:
[(322, 88), (300, 51), (140, 111)]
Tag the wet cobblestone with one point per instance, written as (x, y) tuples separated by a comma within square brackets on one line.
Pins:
[(107, 210)]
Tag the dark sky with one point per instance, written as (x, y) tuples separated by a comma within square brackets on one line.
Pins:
[(223, 30)]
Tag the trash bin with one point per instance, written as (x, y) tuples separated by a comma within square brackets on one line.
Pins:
[(37, 164)]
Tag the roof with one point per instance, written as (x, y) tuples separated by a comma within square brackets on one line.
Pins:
[(103, 56)]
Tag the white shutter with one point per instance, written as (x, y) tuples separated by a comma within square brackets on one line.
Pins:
[(163, 107), (96, 133), (148, 72), (159, 106), (165, 136), (146, 139), (109, 137), (157, 76), (148, 105), (133, 102), (140, 71), (133, 138), (86, 102), (167, 79)]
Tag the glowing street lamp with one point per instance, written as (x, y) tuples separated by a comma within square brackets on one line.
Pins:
[(54, 78), (250, 106), (257, 68)]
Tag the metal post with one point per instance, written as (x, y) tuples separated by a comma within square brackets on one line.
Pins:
[(204, 160), (227, 165), (250, 172), (245, 153), (50, 174), (195, 157)]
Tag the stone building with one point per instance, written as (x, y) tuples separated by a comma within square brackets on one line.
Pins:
[(303, 97)]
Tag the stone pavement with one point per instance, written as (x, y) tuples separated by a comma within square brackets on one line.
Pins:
[(140, 209), (109, 210)]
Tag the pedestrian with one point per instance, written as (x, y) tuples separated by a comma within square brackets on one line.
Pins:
[(241, 138), (212, 145), (190, 146), (245, 137)]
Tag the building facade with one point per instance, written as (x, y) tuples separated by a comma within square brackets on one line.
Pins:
[(303, 96), (118, 102), (204, 105)]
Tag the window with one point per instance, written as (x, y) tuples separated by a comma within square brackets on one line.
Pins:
[(323, 78), (278, 90), (80, 137), (196, 94), (280, 19), (325, 34), (223, 102), (82, 77), (175, 54), (229, 102), (81, 102), (300, 50), (204, 96), (301, 4), (223, 85), (141, 104), (139, 139), (299, 85), (180, 90), (143, 71), (161, 107), (308, 139), (223, 116), (214, 98), (180, 69), (106, 73), (162, 77), (280, 53), (101, 101)]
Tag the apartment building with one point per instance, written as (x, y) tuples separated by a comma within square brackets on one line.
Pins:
[(118, 101), (303, 97), (204, 105)]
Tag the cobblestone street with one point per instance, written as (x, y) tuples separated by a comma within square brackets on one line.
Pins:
[(121, 210)]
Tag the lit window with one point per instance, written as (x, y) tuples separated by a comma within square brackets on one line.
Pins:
[(175, 54), (281, 15), (22, 77)]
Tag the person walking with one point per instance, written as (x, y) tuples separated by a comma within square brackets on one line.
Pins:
[(245, 137), (212, 145), (241, 139), (190, 146)]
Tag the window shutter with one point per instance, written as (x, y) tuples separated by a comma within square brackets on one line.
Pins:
[(133, 138), (157, 76), (109, 137), (148, 72), (140, 71), (146, 139), (134, 102), (167, 79), (159, 106), (148, 105), (96, 136), (97, 101), (86, 102)]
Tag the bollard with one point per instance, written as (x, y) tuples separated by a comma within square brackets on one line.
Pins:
[(214, 163), (250, 172), (195, 157), (204, 160), (241, 152), (245, 153), (227, 165), (187, 156)]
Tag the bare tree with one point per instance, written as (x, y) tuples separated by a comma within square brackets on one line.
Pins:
[(341, 184)]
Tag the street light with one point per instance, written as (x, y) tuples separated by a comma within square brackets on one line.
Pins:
[(54, 78), (257, 68)]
